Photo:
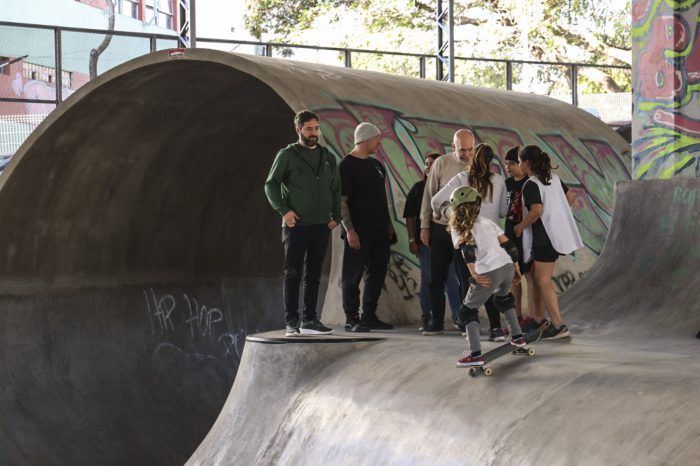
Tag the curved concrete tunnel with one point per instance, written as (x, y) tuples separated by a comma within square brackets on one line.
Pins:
[(139, 249)]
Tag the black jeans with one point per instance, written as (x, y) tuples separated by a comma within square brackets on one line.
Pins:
[(443, 252), (370, 261), (304, 251)]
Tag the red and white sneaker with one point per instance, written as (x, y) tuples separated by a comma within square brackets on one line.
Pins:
[(469, 360), (519, 342)]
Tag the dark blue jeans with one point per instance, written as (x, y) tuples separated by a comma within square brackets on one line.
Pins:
[(304, 251), (371, 261)]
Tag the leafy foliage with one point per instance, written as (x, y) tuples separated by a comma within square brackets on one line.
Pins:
[(590, 31)]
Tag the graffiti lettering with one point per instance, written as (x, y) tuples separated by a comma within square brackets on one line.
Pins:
[(564, 280), (399, 273), (169, 317)]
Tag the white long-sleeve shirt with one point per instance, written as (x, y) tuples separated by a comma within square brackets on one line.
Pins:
[(493, 209)]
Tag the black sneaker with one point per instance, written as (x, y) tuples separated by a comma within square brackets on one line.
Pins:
[(314, 327), (434, 329), (375, 324), (425, 322), (354, 325), (554, 333), (531, 324), (293, 328), (497, 335)]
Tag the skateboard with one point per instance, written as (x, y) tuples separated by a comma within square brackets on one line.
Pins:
[(504, 349)]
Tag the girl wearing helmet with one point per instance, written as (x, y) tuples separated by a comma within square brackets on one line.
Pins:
[(492, 261)]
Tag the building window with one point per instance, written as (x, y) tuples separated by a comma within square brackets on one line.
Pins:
[(46, 74), (128, 8), (160, 13)]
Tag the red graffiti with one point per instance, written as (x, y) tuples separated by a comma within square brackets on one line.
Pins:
[(659, 78), (640, 9), (678, 122)]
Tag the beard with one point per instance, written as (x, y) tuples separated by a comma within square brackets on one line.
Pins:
[(310, 141)]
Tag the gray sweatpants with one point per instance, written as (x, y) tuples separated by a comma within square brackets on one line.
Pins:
[(501, 281)]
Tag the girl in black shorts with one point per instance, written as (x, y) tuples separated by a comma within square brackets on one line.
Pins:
[(549, 231)]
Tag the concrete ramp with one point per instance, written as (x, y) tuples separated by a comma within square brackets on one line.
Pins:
[(644, 289), (137, 249), (401, 401), (621, 391)]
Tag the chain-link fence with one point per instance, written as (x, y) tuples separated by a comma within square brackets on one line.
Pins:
[(40, 66)]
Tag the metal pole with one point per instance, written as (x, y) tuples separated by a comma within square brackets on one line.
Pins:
[(59, 67), (193, 24), (438, 49), (348, 59), (421, 67), (154, 43), (574, 85), (451, 26), (509, 75)]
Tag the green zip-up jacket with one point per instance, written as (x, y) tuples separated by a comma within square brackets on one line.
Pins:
[(295, 184)]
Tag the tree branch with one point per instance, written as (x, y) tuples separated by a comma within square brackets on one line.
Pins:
[(95, 53)]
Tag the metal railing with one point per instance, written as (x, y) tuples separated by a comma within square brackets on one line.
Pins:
[(55, 49), (573, 67), (58, 33)]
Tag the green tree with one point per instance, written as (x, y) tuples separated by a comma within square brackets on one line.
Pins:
[(585, 31)]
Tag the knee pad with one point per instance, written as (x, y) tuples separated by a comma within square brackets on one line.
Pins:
[(467, 314), (503, 303)]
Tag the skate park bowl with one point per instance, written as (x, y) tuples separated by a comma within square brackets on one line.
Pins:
[(621, 391), (139, 250)]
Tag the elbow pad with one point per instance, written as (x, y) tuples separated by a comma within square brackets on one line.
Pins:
[(512, 250), (468, 252)]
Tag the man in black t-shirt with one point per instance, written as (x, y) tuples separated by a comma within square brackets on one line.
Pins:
[(368, 230)]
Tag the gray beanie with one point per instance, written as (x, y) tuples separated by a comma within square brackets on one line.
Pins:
[(365, 131)]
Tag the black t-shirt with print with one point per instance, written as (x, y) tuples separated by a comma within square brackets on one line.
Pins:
[(515, 206), (532, 195), (363, 182)]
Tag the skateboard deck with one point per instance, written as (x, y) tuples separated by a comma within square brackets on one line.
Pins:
[(504, 349)]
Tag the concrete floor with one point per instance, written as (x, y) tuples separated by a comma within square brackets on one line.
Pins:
[(400, 400)]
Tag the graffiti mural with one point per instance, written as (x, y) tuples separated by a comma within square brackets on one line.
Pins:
[(589, 167), (666, 41)]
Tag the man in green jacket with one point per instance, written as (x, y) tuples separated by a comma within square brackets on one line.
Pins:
[(304, 187)]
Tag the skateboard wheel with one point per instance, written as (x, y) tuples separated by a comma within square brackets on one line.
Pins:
[(488, 371), (472, 371), (531, 351)]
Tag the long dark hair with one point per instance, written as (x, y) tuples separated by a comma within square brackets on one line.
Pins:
[(480, 171), (539, 161), (462, 220)]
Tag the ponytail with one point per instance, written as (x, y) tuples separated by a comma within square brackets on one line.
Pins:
[(539, 161), (480, 171)]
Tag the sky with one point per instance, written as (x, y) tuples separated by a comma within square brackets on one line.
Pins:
[(215, 18)]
